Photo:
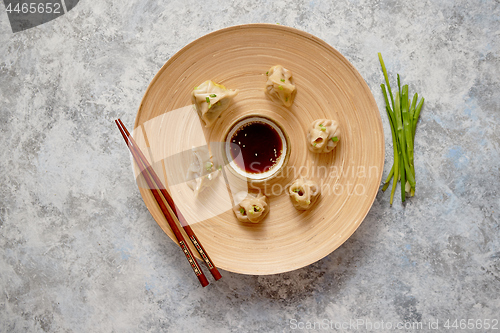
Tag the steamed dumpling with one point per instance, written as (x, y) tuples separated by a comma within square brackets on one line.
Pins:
[(251, 207), (279, 85), (323, 135), (303, 193), (210, 100), (202, 172)]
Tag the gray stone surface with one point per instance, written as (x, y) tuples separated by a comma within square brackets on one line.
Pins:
[(79, 252)]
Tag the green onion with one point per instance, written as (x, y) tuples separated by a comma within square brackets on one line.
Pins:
[(281, 87), (267, 73), (403, 118), (207, 99), (296, 190), (282, 80), (335, 139), (213, 95), (242, 211), (386, 78), (417, 114), (386, 183), (399, 132)]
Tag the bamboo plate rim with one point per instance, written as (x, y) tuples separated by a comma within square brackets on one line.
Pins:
[(321, 233)]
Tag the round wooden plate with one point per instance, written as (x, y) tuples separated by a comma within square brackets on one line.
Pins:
[(328, 86)]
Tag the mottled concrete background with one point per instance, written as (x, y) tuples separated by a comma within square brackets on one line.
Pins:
[(79, 252)]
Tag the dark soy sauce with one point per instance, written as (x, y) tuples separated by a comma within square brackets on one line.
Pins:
[(260, 147)]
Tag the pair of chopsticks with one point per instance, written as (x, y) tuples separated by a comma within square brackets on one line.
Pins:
[(156, 186)]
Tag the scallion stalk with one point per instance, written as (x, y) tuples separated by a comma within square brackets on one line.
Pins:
[(403, 118)]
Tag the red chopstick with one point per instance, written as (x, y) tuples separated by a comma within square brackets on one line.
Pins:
[(175, 210), (145, 166)]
